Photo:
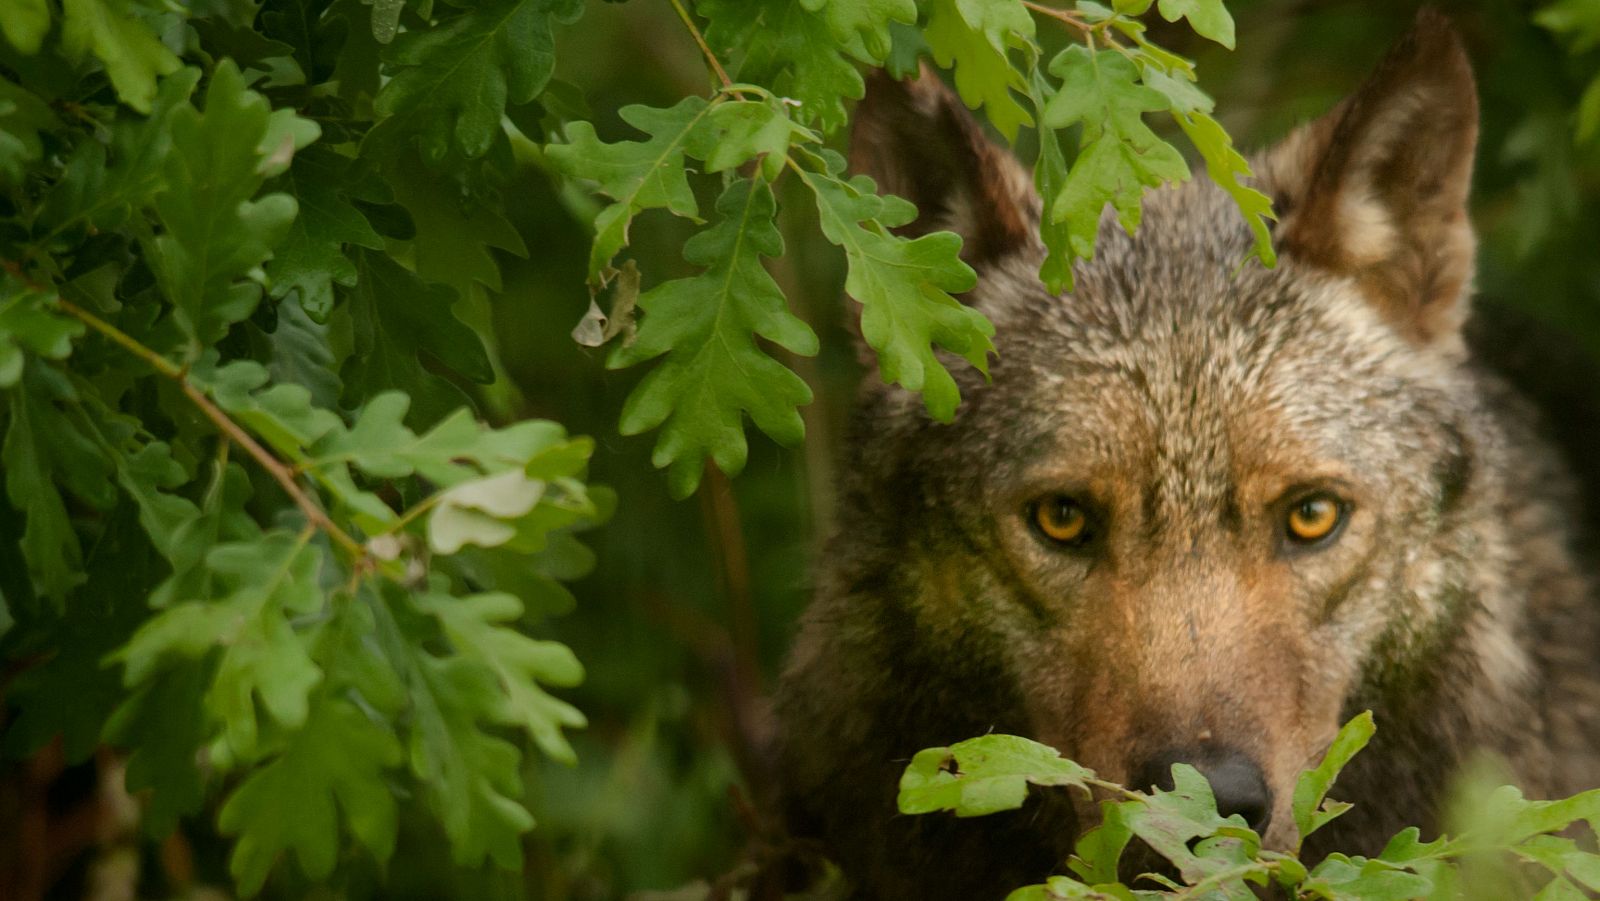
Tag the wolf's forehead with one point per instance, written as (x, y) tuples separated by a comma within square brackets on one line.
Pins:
[(1264, 379)]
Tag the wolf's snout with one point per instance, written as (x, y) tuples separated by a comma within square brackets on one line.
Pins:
[(1239, 784)]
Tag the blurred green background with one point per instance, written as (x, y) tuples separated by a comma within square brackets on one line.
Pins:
[(684, 623)]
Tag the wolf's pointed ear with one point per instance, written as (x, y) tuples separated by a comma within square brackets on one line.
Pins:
[(1377, 189), (917, 141)]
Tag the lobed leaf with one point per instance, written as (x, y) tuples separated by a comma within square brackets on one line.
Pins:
[(706, 327), (334, 764), (477, 627), (44, 449), (398, 320), (974, 37), (471, 778), (1208, 18), (450, 83), (904, 287), (29, 324), (984, 775), (1119, 156), (311, 258), (128, 47), (1310, 814), (261, 656), (638, 175), (861, 27), (214, 232), (789, 49)]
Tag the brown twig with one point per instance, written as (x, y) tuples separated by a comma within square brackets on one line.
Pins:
[(1062, 15), (705, 49), (236, 433)]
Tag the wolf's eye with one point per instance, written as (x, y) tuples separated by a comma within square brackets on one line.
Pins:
[(1062, 520), (1314, 518)]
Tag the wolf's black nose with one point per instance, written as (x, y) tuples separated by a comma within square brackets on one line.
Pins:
[(1240, 786)]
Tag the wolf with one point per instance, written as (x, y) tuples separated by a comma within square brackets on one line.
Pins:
[(1200, 513)]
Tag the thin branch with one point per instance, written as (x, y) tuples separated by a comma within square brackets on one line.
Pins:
[(1060, 15), (274, 467), (705, 49)]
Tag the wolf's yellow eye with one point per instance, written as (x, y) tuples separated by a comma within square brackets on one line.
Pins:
[(1314, 518), (1062, 520)]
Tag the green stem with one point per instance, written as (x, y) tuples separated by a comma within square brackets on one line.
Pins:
[(225, 424)]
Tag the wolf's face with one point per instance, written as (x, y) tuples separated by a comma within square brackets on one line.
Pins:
[(1186, 512)]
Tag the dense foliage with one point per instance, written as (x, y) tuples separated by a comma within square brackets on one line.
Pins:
[(1221, 858), (268, 266)]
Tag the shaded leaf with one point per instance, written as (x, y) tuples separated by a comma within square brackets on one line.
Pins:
[(706, 327), (126, 45), (450, 83), (334, 764), (904, 287), (638, 175), (311, 258)]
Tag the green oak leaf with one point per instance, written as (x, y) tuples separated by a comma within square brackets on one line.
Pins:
[(23, 117), (398, 320), (103, 183), (219, 517), (1227, 167), (45, 451), (1049, 176), (334, 763), (454, 232), (261, 656), (450, 83), (904, 287), (1310, 813), (1208, 18), (25, 23), (126, 45), (471, 779), (160, 723), (380, 444), (29, 324), (1340, 876), (1064, 888), (638, 175), (1097, 853), (1119, 155), (740, 130), (790, 50), (70, 695), (214, 232), (984, 775), (974, 36), (479, 627), (861, 27), (714, 370), (1169, 821), (301, 351), (149, 475), (281, 415), (310, 258)]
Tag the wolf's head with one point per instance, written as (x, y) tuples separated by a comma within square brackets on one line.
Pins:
[(1201, 508)]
